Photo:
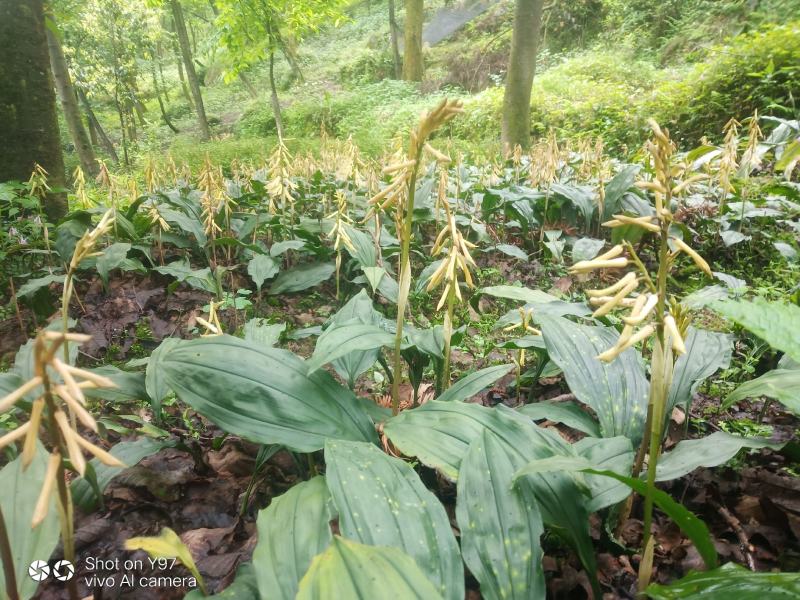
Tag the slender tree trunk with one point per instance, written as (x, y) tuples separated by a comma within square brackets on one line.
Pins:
[(248, 85), (157, 91), (92, 131), (188, 63), (393, 29), (28, 119), (413, 66), (290, 53), (69, 104), (273, 96), (521, 69), (179, 60), (94, 124)]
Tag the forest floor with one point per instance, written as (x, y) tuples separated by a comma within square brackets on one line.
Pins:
[(197, 484)]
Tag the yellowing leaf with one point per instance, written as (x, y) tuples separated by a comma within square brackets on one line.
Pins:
[(167, 545)]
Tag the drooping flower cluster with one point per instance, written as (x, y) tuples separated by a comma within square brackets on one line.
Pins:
[(649, 310), (280, 186), (451, 243), (60, 403)]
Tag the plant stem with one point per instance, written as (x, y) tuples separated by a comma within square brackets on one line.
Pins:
[(8, 561), (448, 334), (405, 273), (660, 379)]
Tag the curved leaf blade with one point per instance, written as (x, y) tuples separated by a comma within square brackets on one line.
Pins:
[(468, 386), (616, 391), (773, 322), (292, 530), (729, 581), (382, 502), (693, 527), (264, 394), (781, 384), (21, 488), (710, 451), (500, 526), (338, 342), (351, 570)]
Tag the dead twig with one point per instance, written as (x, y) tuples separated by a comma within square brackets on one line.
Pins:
[(744, 542)]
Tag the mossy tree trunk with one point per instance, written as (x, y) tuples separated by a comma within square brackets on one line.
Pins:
[(413, 66), (69, 104), (28, 121), (521, 68), (188, 64)]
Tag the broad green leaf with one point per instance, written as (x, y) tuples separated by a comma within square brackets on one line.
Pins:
[(616, 188), (616, 391), (336, 342), (31, 286), (568, 413), (130, 453), (9, 382), (693, 527), (358, 309), (182, 271), (292, 530), (112, 258), (262, 267), (439, 435), (351, 570), (374, 276), (382, 502), (586, 249), (264, 394), (468, 386), (258, 330), (581, 197), (500, 526), (513, 251), (167, 545), (21, 489), (777, 323), (791, 154), (129, 386), (279, 248), (781, 384), (301, 278), (364, 247), (189, 224), (154, 378), (606, 454), (710, 451), (513, 292), (706, 353), (729, 581)]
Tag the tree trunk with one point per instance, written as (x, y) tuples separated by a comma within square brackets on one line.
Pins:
[(398, 65), (94, 125), (521, 68), (185, 88), (273, 96), (191, 74), (248, 85), (69, 104), (157, 91), (413, 66), (29, 131), (92, 132)]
